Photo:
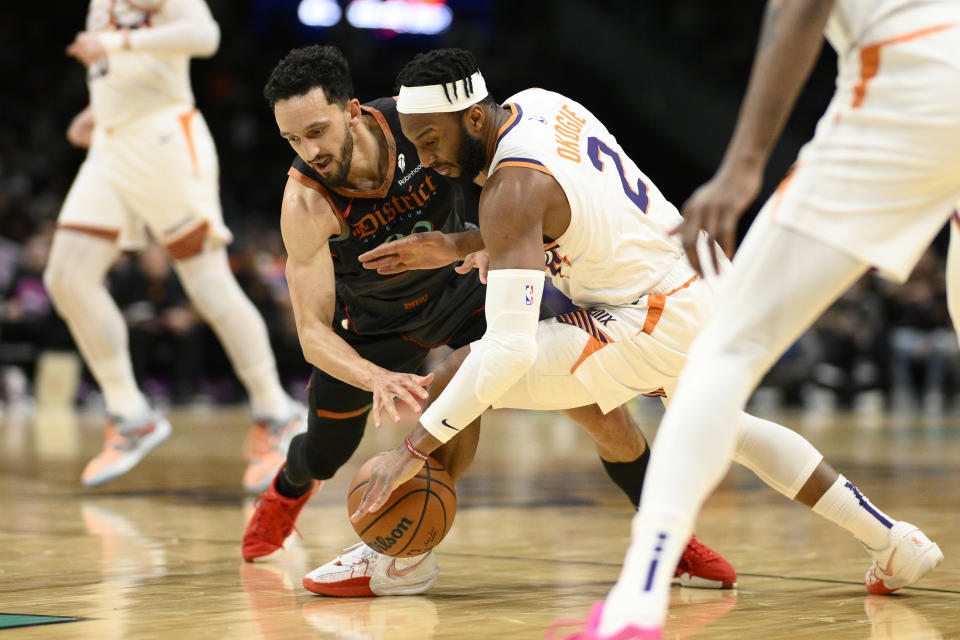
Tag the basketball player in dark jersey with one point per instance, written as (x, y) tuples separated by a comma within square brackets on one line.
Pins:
[(357, 183)]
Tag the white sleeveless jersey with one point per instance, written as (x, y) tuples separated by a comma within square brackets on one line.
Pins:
[(851, 20), (617, 246), (128, 84)]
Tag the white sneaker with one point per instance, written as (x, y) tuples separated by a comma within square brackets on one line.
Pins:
[(267, 444), (909, 556), (364, 572), (124, 446)]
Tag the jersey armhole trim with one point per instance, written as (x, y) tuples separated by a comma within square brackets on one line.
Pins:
[(310, 183)]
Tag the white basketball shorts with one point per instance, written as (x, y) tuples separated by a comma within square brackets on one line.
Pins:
[(159, 172)]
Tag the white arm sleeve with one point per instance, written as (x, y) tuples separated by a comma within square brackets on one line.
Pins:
[(189, 30), (496, 361)]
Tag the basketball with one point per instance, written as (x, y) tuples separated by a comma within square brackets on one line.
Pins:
[(416, 516)]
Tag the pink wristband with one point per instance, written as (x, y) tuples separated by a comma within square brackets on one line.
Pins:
[(412, 449)]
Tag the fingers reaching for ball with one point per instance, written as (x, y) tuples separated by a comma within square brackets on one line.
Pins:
[(389, 472)]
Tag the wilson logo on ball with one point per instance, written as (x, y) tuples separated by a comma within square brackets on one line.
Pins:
[(382, 544)]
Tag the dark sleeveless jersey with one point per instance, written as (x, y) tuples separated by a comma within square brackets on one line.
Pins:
[(411, 199)]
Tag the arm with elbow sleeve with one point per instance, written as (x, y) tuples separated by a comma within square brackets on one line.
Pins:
[(496, 361), (191, 31)]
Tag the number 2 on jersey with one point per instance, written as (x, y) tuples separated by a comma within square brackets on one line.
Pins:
[(595, 146)]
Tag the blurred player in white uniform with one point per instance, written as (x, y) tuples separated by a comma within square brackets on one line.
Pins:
[(152, 165), (872, 189), (553, 173)]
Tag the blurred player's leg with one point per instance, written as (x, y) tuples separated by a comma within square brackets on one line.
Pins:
[(217, 297), (771, 296), (75, 278)]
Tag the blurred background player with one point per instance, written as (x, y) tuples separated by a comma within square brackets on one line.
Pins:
[(152, 163), (356, 183), (873, 188)]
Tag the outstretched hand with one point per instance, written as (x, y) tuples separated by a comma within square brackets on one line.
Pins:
[(390, 388), (393, 468), (479, 260), (86, 48), (427, 250), (715, 208)]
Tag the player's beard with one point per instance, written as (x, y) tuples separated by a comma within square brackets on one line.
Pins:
[(339, 178), (471, 156)]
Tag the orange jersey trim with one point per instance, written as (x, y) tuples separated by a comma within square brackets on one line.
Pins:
[(655, 304), (515, 113), (870, 58), (310, 183), (381, 191), (525, 165)]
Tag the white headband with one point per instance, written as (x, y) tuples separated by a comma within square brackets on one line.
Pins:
[(434, 98)]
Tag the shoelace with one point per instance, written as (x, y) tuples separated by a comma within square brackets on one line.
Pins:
[(267, 513), (699, 549), (365, 554)]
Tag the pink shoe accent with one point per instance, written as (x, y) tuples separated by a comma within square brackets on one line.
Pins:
[(591, 630)]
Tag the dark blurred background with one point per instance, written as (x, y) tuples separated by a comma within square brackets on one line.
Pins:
[(665, 77)]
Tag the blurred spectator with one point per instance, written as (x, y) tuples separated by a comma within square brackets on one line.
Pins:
[(853, 343), (259, 267), (922, 339), (28, 323)]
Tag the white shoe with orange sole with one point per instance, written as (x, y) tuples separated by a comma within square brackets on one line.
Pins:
[(365, 572), (909, 556)]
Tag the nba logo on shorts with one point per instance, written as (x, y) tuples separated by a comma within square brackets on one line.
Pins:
[(528, 294)]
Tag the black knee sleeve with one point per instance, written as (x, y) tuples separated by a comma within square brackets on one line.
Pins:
[(629, 475)]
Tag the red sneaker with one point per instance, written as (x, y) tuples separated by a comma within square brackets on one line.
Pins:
[(272, 522), (701, 566)]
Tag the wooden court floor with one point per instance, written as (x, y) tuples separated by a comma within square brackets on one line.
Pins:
[(539, 535)]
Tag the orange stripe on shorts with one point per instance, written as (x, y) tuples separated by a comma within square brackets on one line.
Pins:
[(870, 58), (109, 235), (655, 304), (188, 134)]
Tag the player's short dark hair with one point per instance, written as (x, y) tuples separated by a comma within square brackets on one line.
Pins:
[(440, 66), (307, 68)]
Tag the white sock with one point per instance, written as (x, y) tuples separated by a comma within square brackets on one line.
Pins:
[(846, 506), (217, 297)]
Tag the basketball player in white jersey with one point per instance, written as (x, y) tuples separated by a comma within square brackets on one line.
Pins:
[(872, 189), (152, 164), (559, 191)]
